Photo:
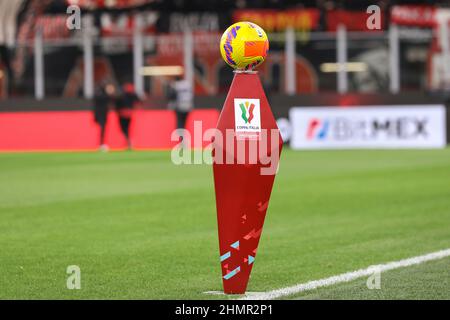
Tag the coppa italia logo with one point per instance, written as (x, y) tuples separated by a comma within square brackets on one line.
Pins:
[(247, 111), (317, 129), (247, 115)]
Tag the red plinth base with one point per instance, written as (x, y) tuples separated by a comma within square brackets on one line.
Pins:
[(243, 188)]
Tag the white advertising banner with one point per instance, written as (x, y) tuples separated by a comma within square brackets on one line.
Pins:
[(402, 126)]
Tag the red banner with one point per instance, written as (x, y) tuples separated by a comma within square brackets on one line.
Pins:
[(276, 20), (419, 16), (115, 4), (352, 20), (76, 130)]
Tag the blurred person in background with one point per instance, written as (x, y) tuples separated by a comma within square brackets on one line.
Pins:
[(125, 103), (9, 11), (180, 100), (5, 62), (103, 97)]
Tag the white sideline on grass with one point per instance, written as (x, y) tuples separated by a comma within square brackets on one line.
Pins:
[(346, 277)]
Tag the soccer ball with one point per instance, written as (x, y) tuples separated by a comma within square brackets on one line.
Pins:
[(244, 45)]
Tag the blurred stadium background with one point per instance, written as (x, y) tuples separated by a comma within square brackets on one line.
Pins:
[(45, 66), (115, 214)]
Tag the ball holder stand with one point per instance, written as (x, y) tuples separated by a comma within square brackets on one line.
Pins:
[(242, 191)]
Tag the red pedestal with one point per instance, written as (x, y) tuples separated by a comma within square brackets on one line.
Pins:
[(243, 184)]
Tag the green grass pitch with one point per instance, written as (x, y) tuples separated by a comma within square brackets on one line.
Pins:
[(140, 227)]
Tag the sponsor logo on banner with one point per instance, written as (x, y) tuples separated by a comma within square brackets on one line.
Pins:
[(317, 129), (368, 127), (247, 116)]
